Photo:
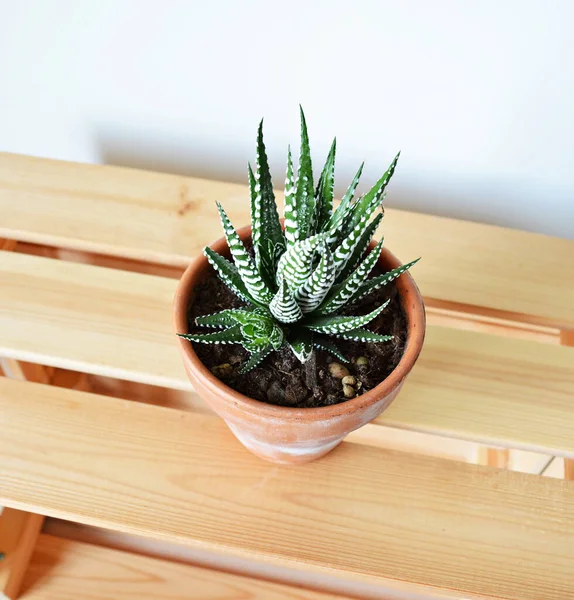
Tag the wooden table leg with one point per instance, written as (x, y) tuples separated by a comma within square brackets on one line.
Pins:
[(494, 457), (18, 533)]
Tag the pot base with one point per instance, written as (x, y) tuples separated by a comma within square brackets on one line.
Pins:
[(285, 454)]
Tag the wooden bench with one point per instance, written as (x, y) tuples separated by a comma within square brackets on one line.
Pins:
[(87, 276)]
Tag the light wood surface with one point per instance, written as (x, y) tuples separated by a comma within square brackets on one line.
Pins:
[(493, 390), (67, 570), (362, 513), (168, 218), (18, 533)]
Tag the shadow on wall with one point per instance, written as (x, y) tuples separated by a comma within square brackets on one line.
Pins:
[(441, 194)]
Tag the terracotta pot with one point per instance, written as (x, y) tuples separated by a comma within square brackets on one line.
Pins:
[(295, 435)]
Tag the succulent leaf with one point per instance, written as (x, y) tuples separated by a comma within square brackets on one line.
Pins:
[(223, 318), (264, 216), (345, 292), (341, 324), (290, 210), (363, 335), (300, 341), (305, 193), (322, 342), (296, 265), (255, 358), (378, 282), (248, 272), (325, 189), (229, 274), (284, 307), (342, 210), (362, 245), (233, 335), (310, 295)]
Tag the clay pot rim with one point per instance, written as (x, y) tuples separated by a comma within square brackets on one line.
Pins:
[(411, 301)]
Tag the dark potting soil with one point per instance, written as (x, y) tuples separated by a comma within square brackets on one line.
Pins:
[(281, 379)]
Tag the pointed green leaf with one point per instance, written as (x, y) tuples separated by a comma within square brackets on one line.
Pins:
[(244, 263), (345, 292), (223, 318), (305, 193), (290, 210), (310, 295), (363, 335), (362, 244), (378, 282), (232, 335), (342, 210), (255, 358), (264, 215), (324, 343), (341, 324), (301, 342), (229, 274), (284, 307), (324, 192), (366, 206)]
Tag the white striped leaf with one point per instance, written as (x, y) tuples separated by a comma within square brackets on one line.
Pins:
[(233, 335), (290, 210), (341, 324), (344, 207), (244, 263), (284, 307), (296, 265), (325, 189), (378, 282), (255, 358), (305, 193), (322, 342), (301, 342), (362, 245), (363, 335), (345, 292), (223, 318), (310, 295), (228, 273)]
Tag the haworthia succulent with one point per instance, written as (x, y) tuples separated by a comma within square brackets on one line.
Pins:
[(295, 282)]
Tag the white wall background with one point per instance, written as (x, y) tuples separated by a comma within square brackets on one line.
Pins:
[(479, 96)]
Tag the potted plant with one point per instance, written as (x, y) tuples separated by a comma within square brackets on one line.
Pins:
[(310, 330)]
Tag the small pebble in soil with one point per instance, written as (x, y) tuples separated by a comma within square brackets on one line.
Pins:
[(349, 380), (349, 391), (337, 370), (362, 361)]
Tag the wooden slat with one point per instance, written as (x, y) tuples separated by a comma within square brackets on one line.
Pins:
[(64, 569), (496, 391), (168, 218), (366, 514), (18, 533)]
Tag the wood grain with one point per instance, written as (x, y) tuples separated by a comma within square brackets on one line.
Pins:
[(18, 533), (492, 390), (361, 513), (67, 570), (168, 219)]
